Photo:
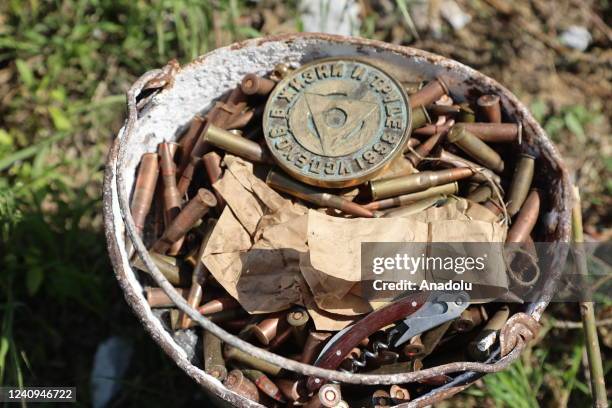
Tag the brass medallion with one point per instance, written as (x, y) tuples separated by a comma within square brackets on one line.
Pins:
[(336, 122)]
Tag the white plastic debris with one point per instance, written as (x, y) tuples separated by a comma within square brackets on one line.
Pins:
[(576, 37), (330, 16), (452, 13), (111, 361)]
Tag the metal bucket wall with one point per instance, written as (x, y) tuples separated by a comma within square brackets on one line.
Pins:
[(195, 87)]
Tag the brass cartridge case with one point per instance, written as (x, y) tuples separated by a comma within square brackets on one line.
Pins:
[(420, 117), (416, 182), (187, 175), (444, 189), (456, 161), (253, 84), (237, 382), (167, 265), (466, 114), (521, 183), (197, 277), (218, 305), (330, 395), (214, 364), (476, 148), (424, 149), (235, 144), (172, 197), (212, 164), (414, 348), (415, 207), (195, 209), (144, 189), (429, 93), (219, 317), (481, 194), (291, 389), (281, 338), (525, 220), (490, 108), (399, 394), (157, 298), (266, 330), (188, 141), (314, 344), (495, 132), (264, 384), (431, 128), (381, 398), (279, 181), (298, 321), (234, 354), (480, 347), (471, 317)]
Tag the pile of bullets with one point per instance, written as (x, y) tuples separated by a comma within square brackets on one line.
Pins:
[(459, 147)]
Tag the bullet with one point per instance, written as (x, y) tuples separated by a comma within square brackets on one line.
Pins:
[(218, 305), (415, 207), (144, 189), (330, 395), (412, 143), (414, 348), (480, 348), (214, 364), (212, 164), (269, 328), (431, 339), (195, 209), (264, 384), (291, 389), (443, 109), (281, 338), (157, 298), (281, 182), (456, 161), (298, 321), (471, 317), (431, 128), (475, 148), (444, 189), (423, 150), (234, 144), (416, 182), (197, 277), (187, 175), (466, 114), (188, 141), (234, 104), (312, 347), (490, 108), (495, 132), (521, 183), (240, 120), (172, 197), (429, 93), (481, 194), (253, 84), (399, 394), (235, 325), (237, 355), (219, 317), (167, 265), (237, 382), (420, 117), (472, 186), (526, 219)]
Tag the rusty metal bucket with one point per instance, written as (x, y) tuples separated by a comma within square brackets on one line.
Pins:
[(175, 94)]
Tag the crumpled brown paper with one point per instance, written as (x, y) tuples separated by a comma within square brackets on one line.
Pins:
[(270, 253)]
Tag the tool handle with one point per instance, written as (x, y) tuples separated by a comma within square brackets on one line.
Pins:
[(374, 321)]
